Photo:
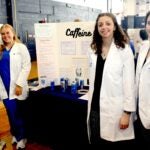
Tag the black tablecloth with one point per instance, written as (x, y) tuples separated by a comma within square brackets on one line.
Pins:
[(56, 118)]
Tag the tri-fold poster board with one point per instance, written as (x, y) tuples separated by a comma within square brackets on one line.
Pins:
[(62, 51)]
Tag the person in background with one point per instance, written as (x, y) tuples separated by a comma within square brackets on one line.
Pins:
[(111, 94), (132, 46), (142, 124), (15, 66), (131, 43), (144, 37)]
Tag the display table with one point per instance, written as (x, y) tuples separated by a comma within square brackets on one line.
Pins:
[(56, 118)]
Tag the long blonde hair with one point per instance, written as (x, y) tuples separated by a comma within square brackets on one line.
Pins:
[(15, 38), (1, 50)]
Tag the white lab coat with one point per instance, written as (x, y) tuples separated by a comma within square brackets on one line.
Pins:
[(143, 86), (117, 92), (20, 65)]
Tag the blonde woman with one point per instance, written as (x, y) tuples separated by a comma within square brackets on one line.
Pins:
[(15, 66)]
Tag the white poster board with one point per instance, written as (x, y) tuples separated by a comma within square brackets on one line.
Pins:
[(62, 50)]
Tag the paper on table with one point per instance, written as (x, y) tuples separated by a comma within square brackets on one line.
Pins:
[(34, 88), (85, 97)]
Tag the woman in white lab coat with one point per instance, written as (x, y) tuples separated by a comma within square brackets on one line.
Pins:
[(111, 95), (143, 89), (15, 66)]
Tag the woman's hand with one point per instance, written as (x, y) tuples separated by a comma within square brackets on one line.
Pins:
[(18, 90), (124, 120)]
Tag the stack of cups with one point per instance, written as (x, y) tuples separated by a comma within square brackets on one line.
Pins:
[(52, 85), (73, 88)]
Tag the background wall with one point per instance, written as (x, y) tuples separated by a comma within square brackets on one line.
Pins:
[(30, 12), (24, 13), (3, 15)]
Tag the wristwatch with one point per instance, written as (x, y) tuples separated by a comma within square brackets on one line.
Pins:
[(127, 112)]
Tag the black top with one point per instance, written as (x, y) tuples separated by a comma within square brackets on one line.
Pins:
[(97, 83)]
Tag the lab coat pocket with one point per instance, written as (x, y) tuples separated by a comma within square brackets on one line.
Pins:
[(107, 127), (17, 55)]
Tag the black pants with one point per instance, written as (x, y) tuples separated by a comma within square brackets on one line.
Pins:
[(95, 133), (142, 135), (94, 128)]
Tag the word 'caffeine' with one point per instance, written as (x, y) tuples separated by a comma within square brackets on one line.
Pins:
[(77, 33)]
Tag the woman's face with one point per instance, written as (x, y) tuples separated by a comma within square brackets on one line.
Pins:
[(7, 35), (106, 27), (148, 26)]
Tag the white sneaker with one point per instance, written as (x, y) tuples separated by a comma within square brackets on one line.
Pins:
[(21, 144), (14, 140), (2, 145)]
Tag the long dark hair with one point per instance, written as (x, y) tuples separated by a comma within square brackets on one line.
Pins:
[(120, 38)]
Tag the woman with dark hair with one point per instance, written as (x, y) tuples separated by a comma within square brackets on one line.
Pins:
[(111, 94), (143, 89)]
